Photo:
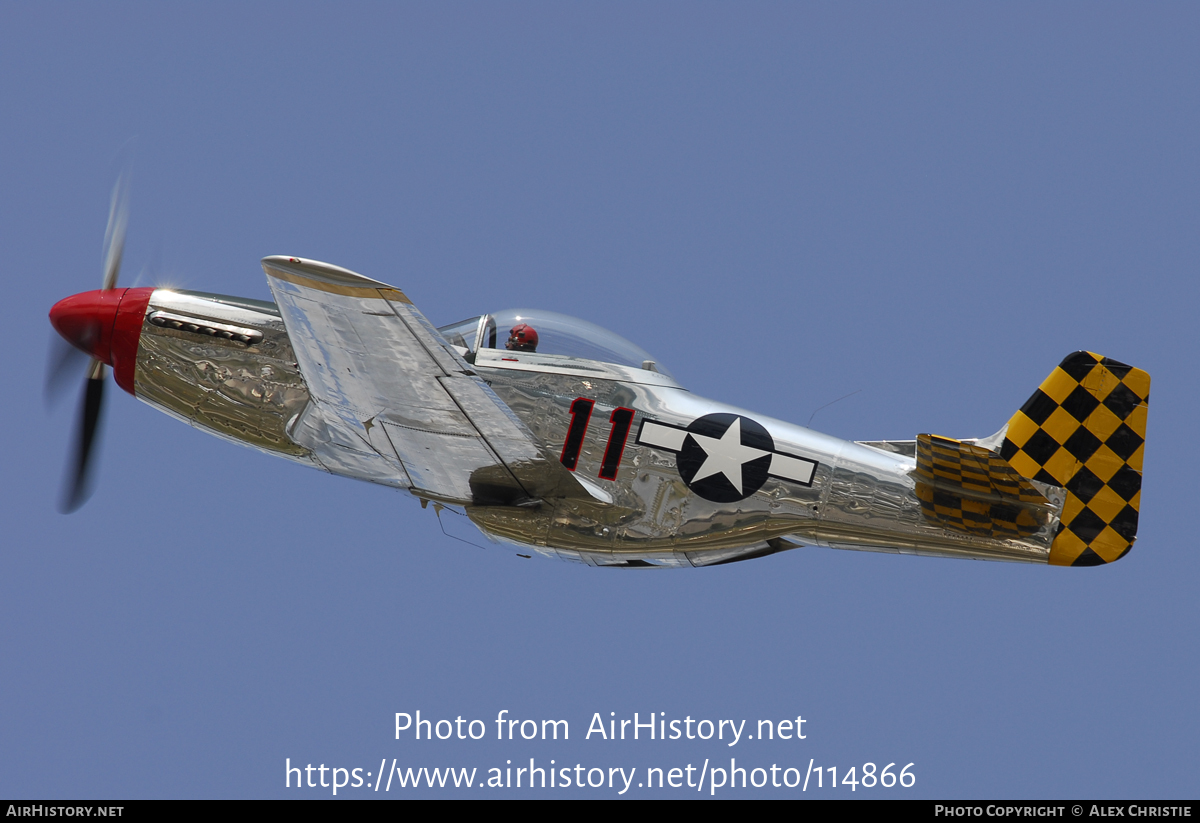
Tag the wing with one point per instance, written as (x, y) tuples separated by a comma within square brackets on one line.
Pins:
[(392, 402)]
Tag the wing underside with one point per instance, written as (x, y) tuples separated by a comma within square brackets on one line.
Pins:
[(393, 403)]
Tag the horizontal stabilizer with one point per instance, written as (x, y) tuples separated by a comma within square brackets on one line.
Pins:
[(970, 489)]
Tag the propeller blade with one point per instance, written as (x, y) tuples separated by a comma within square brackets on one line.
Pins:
[(114, 235), (79, 487), (64, 364)]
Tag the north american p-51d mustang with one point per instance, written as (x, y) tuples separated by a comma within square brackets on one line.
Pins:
[(553, 434)]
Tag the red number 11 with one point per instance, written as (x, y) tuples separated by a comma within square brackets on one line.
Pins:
[(581, 414)]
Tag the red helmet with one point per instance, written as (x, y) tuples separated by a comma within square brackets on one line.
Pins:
[(522, 338)]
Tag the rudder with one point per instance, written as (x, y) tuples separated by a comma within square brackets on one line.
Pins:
[(1084, 429)]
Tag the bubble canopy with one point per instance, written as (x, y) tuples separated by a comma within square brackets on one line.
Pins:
[(557, 334)]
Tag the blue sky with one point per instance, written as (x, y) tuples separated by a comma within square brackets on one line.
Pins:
[(930, 204)]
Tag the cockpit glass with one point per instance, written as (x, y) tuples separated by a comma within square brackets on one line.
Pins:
[(462, 333), (556, 334)]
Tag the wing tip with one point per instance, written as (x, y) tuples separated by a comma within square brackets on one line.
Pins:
[(319, 275)]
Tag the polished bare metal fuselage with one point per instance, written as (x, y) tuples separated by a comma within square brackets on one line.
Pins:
[(860, 496)]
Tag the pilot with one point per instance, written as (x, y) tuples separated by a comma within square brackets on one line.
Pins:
[(522, 338)]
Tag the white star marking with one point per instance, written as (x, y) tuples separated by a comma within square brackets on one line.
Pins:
[(727, 455)]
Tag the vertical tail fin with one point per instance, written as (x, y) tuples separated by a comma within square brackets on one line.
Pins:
[(1084, 429)]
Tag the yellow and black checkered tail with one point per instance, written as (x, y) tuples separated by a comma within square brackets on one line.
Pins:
[(1084, 429)]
